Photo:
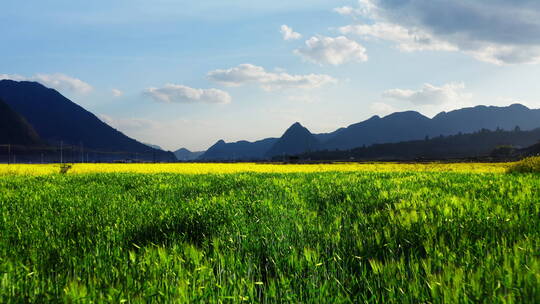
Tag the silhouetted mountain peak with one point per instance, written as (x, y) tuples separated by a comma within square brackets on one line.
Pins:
[(519, 106), (405, 115), (184, 154), (183, 150), (297, 139), (57, 119), (295, 130), (243, 150)]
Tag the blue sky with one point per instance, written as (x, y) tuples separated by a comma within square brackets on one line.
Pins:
[(188, 73)]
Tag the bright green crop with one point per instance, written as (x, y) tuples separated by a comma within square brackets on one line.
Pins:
[(409, 237)]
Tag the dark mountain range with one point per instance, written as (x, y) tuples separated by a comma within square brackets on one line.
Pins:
[(241, 150), (481, 117), (15, 130), (394, 128), (484, 143), (184, 154), (297, 139), (406, 126), (57, 119)]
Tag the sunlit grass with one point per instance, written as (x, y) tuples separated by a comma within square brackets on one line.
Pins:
[(234, 233)]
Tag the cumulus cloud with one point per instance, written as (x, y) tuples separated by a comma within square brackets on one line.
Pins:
[(289, 34), (175, 93), (117, 92), (430, 94), (57, 81), (494, 31), (252, 74), (334, 51)]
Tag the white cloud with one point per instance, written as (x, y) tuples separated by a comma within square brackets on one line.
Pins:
[(382, 109), (57, 81), (430, 94), (494, 31), (63, 82), (12, 77), (334, 51), (365, 8), (407, 40), (174, 93), (117, 92), (252, 74), (344, 10), (506, 54), (289, 34)]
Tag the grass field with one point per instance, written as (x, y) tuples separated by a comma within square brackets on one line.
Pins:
[(392, 233)]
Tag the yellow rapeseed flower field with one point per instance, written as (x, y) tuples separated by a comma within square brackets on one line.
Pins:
[(226, 168)]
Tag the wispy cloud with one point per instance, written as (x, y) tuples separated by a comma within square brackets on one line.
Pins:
[(57, 81), (251, 74), (430, 94), (117, 92), (176, 93)]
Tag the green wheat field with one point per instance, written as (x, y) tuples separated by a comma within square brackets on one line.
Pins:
[(320, 237)]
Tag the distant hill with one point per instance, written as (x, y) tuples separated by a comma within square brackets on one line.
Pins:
[(533, 150), (394, 128), (184, 154), (478, 144), (481, 117), (57, 119), (411, 125), (297, 139), (242, 150), (15, 130)]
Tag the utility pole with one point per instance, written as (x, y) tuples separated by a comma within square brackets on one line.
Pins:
[(82, 153), (9, 153), (61, 154)]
